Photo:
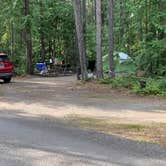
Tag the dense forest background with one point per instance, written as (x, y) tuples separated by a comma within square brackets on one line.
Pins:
[(33, 30)]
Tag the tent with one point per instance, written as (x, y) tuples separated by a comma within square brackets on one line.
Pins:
[(123, 63)]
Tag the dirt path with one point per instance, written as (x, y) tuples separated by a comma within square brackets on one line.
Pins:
[(85, 105), (31, 131), (59, 97)]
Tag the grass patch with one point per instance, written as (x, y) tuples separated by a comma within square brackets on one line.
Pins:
[(137, 127), (149, 132)]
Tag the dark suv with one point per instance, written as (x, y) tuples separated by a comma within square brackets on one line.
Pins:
[(6, 68)]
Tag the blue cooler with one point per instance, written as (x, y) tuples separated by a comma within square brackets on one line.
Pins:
[(41, 66)]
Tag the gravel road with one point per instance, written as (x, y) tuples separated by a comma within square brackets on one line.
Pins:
[(32, 135)]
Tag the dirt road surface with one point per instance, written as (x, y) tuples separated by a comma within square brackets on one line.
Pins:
[(31, 132)]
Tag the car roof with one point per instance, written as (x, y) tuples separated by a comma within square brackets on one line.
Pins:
[(2, 54)]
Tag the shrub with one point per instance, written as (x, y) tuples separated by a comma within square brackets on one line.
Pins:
[(162, 84), (120, 81), (154, 86)]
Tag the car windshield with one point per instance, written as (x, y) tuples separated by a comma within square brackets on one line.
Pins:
[(4, 58)]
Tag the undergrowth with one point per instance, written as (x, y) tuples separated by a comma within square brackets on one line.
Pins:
[(154, 86)]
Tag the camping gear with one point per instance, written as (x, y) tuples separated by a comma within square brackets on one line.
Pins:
[(41, 66), (58, 60)]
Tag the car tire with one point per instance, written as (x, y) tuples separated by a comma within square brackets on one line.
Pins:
[(7, 80)]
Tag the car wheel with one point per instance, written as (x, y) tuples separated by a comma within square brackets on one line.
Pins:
[(7, 80)]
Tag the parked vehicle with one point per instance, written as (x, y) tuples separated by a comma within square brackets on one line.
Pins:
[(6, 68)]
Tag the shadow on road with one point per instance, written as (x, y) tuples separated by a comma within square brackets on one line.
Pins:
[(48, 134)]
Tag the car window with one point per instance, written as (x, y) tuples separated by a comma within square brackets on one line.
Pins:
[(4, 58)]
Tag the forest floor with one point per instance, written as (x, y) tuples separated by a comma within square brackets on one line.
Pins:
[(86, 105)]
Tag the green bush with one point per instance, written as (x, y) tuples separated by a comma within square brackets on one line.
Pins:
[(162, 84), (154, 86), (105, 81), (120, 81)]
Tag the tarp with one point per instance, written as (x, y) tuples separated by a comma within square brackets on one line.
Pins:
[(123, 56)]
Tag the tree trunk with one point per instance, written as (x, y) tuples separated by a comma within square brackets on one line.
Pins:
[(42, 47), (42, 42), (80, 38), (84, 21), (12, 39), (99, 66), (111, 39), (161, 34), (28, 40), (84, 15), (121, 22)]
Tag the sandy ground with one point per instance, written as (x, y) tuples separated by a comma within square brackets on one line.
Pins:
[(36, 116), (62, 97)]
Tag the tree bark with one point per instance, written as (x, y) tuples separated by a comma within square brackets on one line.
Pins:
[(111, 39), (42, 37), (84, 21), (161, 34), (99, 66), (28, 40), (121, 22), (80, 38)]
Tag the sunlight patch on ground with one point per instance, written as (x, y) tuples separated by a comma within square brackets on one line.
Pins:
[(62, 110)]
